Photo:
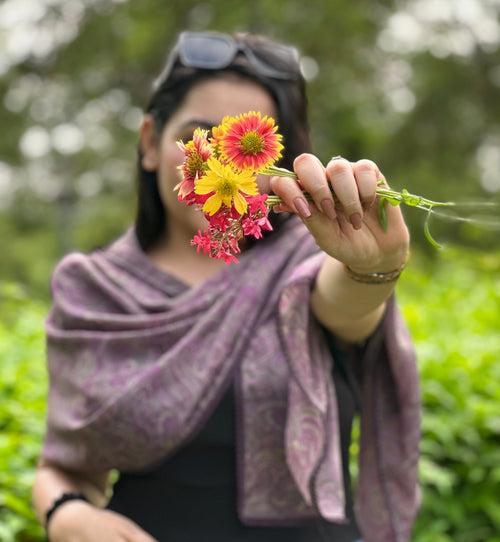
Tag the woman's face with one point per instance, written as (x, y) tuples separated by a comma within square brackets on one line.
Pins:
[(205, 105)]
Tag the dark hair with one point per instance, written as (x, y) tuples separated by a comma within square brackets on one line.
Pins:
[(289, 96)]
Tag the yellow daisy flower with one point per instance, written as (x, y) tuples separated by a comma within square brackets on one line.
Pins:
[(227, 185)]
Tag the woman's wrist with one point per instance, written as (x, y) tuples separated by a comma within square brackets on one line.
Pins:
[(64, 498), (65, 519), (375, 277), (383, 266)]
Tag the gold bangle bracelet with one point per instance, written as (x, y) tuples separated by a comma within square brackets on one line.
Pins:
[(374, 278)]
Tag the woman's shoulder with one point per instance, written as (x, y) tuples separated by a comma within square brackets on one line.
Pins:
[(70, 265), (78, 269), (79, 262)]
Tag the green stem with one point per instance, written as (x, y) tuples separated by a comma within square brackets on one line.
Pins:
[(385, 194)]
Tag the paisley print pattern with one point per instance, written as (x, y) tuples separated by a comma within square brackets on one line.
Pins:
[(138, 360)]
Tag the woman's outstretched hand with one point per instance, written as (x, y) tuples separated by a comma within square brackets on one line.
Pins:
[(344, 223), (78, 521)]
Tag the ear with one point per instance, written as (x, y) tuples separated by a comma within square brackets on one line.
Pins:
[(149, 144)]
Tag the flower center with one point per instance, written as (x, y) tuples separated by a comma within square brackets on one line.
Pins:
[(227, 188), (252, 143), (195, 163)]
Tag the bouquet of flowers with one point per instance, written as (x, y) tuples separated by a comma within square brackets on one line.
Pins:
[(219, 175)]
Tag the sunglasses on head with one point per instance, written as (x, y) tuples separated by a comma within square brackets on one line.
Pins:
[(214, 51)]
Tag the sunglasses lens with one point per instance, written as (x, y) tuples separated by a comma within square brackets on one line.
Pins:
[(206, 51), (281, 62), (286, 54)]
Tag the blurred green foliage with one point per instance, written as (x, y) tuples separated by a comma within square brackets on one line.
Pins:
[(452, 309), (412, 84), (22, 409)]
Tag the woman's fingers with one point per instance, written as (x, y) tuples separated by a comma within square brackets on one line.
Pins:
[(291, 194), (341, 176), (366, 174), (312, 177), (343, 188)]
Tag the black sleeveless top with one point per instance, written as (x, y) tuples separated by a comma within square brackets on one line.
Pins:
[(191, 497)]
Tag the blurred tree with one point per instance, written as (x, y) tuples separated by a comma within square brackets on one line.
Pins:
[(411, 84)]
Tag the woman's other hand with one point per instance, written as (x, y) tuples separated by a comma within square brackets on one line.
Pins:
[(78, 521), (345, 227)]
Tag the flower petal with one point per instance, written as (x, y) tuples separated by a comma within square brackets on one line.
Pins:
[(249, 187), (212, 205), (240, 203), (185, 188), (205, 185), (215, 166)]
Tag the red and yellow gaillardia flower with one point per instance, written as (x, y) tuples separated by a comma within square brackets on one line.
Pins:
[(218, 132), (196, 153), (249, 141)]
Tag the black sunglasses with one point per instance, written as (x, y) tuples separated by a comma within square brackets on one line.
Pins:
[(214, 51)]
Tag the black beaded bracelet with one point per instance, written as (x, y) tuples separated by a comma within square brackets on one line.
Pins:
[(65, 497)]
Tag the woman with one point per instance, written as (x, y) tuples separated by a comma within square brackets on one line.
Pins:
[(225, 395)]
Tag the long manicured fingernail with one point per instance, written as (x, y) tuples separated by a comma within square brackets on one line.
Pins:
[(328, 208), (302, 207), (356, 221)]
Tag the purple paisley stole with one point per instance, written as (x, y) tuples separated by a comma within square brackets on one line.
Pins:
[(138, 361)]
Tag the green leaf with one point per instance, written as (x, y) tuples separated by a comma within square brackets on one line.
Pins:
[(410, 199), (433, 474), (382, 213), (427, 232), (393, 201)]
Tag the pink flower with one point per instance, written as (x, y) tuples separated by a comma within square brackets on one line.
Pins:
[(202, 242), (254, 226), (196, 154), (257, 204)]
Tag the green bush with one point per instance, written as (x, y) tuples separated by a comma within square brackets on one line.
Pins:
[(22, 409), (453, 310), (452, 306)]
